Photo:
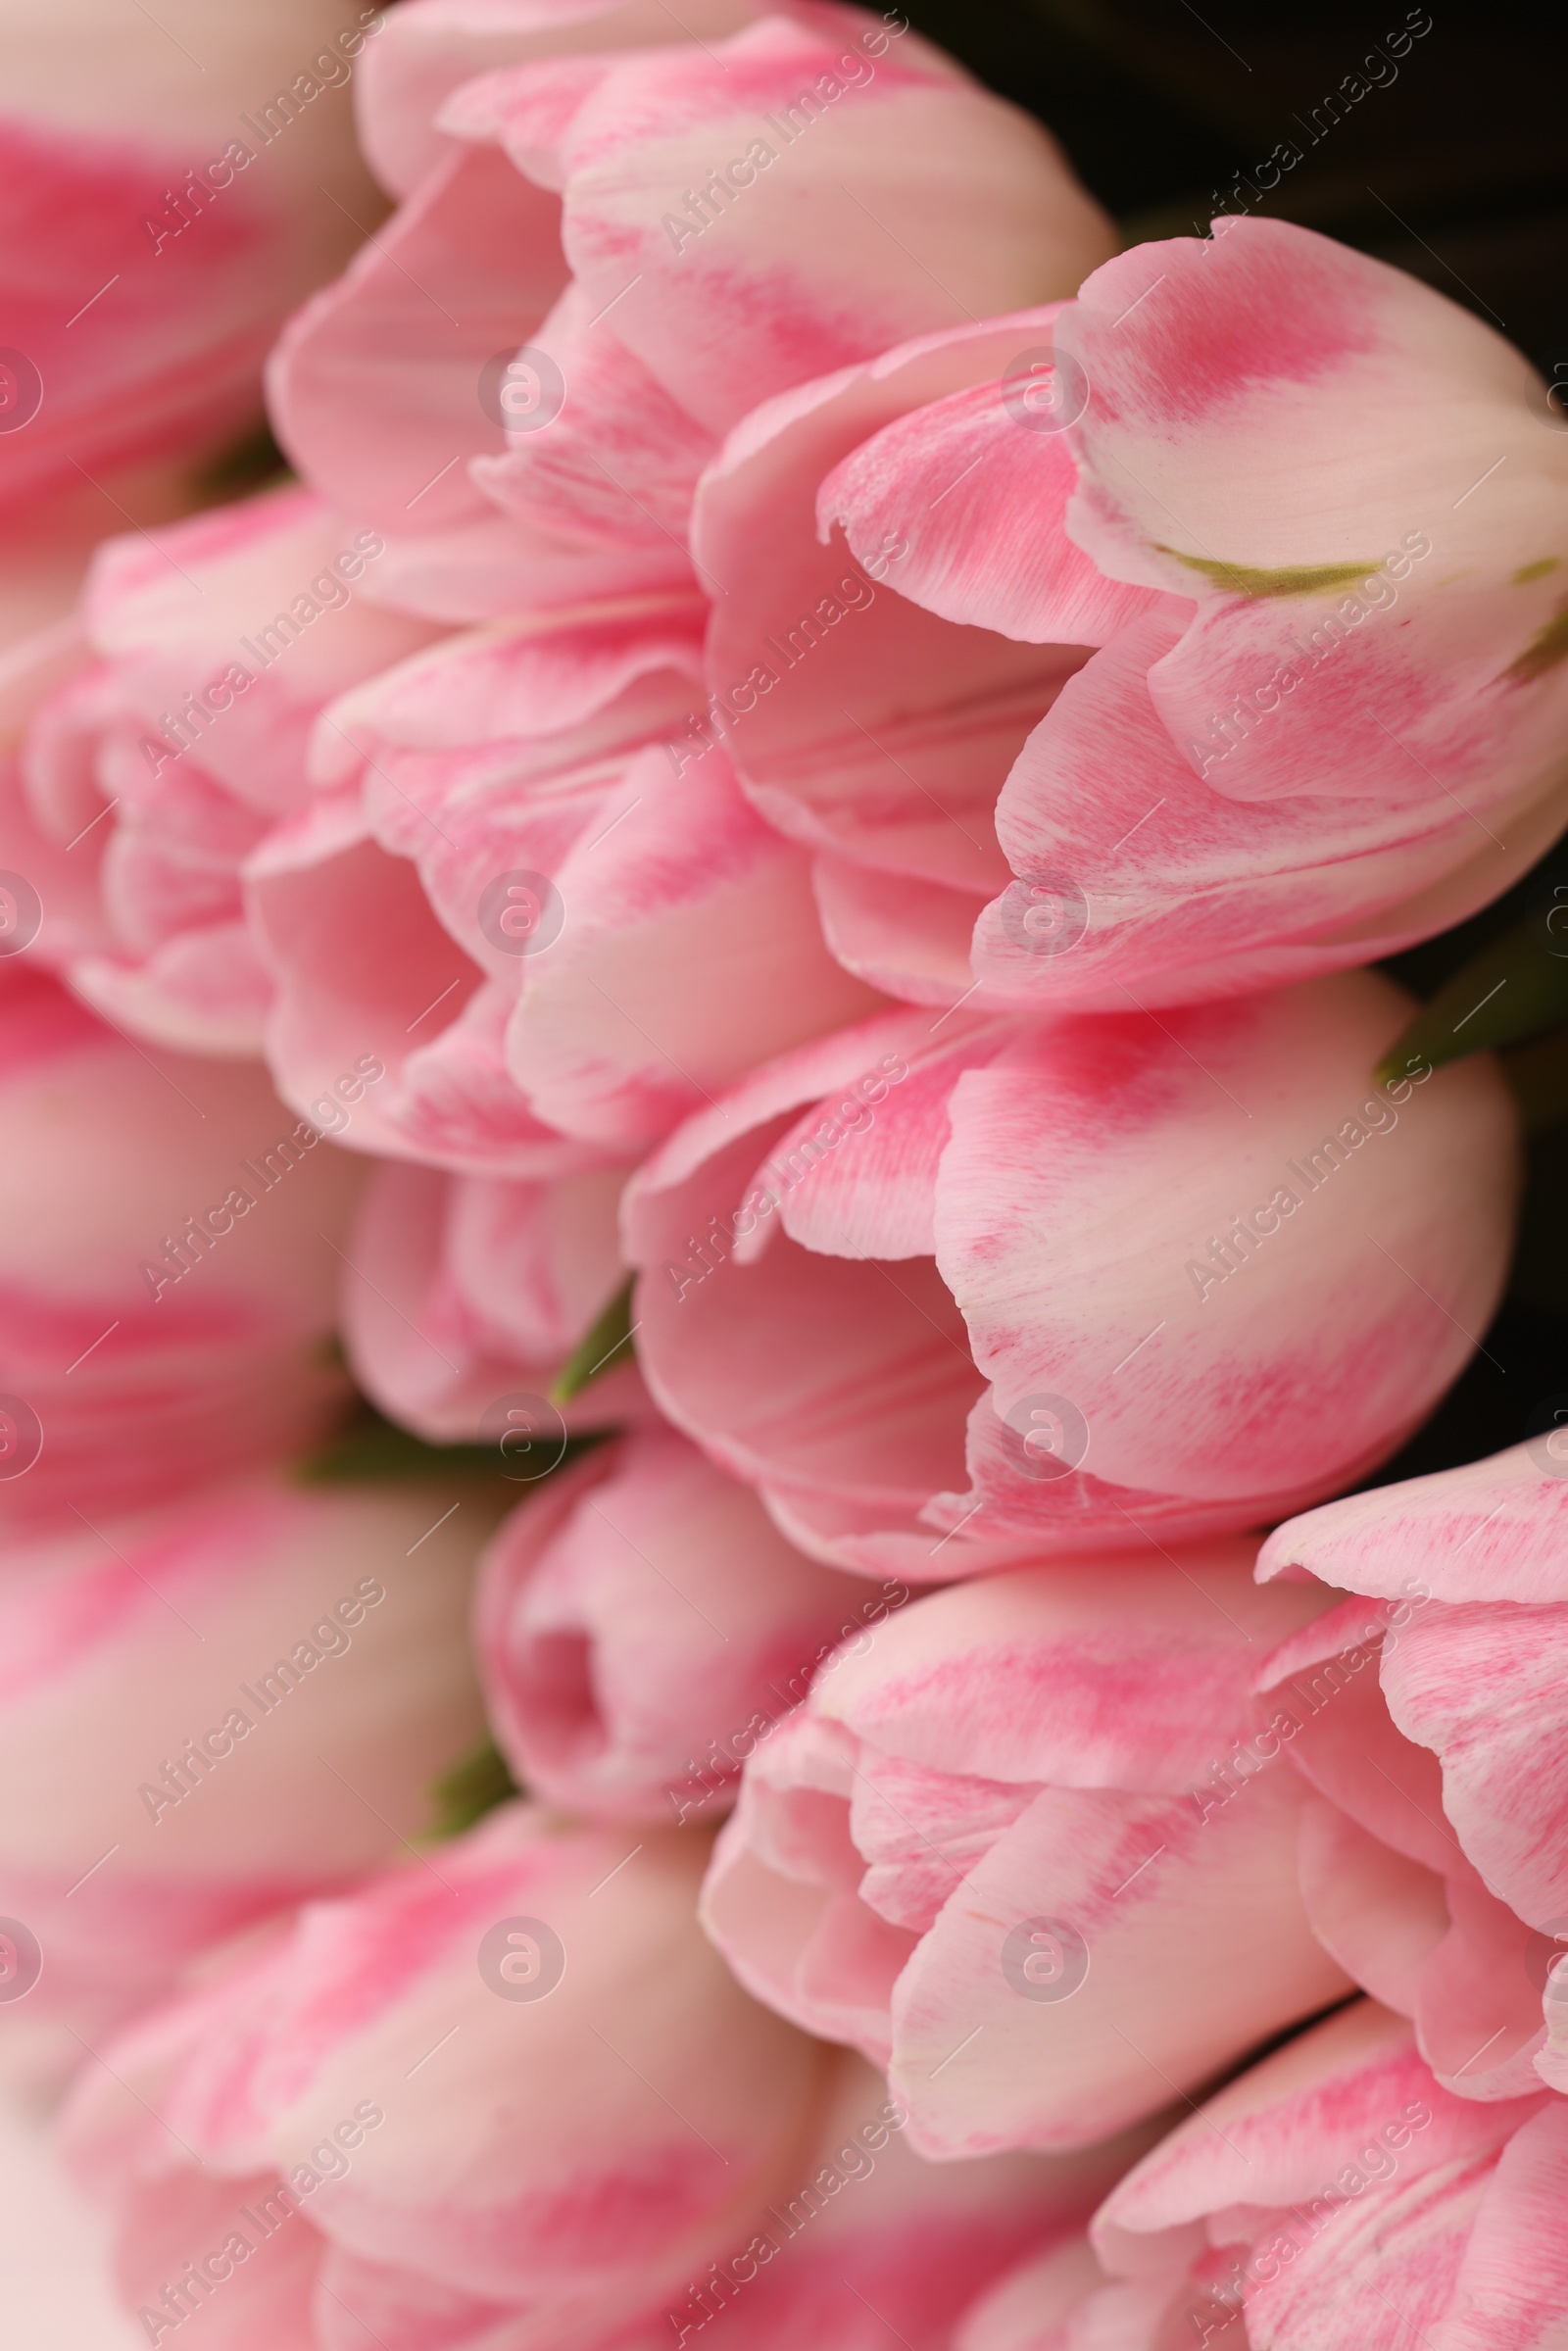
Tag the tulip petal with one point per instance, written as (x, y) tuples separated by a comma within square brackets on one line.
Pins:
[(1487, 1530), (1196, 1946), (1378, 1913), (978, 565)]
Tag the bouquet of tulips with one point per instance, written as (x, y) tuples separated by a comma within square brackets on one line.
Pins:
[(717, 1217)]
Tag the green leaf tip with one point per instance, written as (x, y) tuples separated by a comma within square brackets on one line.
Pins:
[(1515, 988), (606, 1346), (476, 1784)]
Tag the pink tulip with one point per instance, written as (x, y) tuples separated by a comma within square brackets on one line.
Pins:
[(642, 1627), (509, 2096), (169, 1263), (634, 244), (215, 1709), (168, 736), (873, 2238), (555, 947), (954, 1294), (168, 196), (1438, 1877), (462, 1289), (982, 1851), (1337, 2194), (1106, 730)]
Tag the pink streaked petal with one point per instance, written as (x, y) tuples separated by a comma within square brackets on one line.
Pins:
[(996, 556), (374, 385), (920, 1831), (1126, 1673), (1270, 329), (1046, 1183), (1483, 1687), (780, 1898), (1275, 2136), (1188, 894), (470, 1287), (883, 733), (1197, 1946), (883, 1537), (1384, 2266), (436, 46), (1512, 2286), (681, 966), (1490, 1530), (460, 1106), (872, 1199), (1347, 1747), (614, 470), (1001, 225), (551, 675)]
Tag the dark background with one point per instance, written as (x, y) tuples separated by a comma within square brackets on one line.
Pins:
[(1454, 170)]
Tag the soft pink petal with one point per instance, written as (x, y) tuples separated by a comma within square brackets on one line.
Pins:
[(679, 969), (1129, 1673), (1078, 1281), (1378, 1913), (642, 1627), (1196, 1947), (998, 225), (908, 936), (1267, 331), (997, 558), (1483, 1688), (1488, 1530), (464, 1288), (860, 722)]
